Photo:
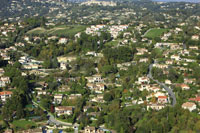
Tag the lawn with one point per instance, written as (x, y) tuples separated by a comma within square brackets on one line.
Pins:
[(155, 33), (69, 30), (112, 43), (24, 124)]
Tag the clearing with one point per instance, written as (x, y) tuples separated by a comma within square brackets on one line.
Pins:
[(152, 33), (69, 30)]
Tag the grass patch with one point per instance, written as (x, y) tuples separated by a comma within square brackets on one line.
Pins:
[(24, 124), (112, 43), (155, 33), (69, 30)]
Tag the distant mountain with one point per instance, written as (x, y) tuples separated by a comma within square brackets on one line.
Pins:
[(192, 1)]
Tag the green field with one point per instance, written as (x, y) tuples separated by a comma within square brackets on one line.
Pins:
[(69, 30), (23, 124), (112, 43), (155, 33)]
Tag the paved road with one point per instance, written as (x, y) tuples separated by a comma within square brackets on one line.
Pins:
[(170, 92), (53, 120), (146, 32)]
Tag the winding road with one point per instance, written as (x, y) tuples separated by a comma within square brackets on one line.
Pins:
[(170, 92), (53, 120)]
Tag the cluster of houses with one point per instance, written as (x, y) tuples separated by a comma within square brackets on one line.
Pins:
[(65, 60), (192, 103), (157, 98), (114, 30), (4, 53), (29, 63), (6, 29), (5, 95), (101, 3)]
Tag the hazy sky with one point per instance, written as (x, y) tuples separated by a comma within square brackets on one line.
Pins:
[(179, 0)]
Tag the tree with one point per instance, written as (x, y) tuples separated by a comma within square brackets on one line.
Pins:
[(108, 97), (20, 111)]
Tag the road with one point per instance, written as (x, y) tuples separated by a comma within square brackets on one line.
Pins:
[(53, 120), (146, 32), (170, 92)]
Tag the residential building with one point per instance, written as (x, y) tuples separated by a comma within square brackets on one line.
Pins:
[(189, 105), (155, 106), (162, 99), (64, 110), (58, 98), (5, 94)]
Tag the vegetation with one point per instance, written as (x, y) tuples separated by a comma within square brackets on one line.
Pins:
[(153, 33), (60, 30)]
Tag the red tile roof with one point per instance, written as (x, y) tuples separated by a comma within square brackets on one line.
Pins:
[(5, 93), (197, 99), (163, 97)]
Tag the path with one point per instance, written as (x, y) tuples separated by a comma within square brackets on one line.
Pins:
[(170, 92), (53, 120)]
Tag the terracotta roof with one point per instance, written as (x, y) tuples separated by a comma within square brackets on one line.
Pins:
[(188, 104), (164, 97), (5, 93), (197, 99), (64, 108)]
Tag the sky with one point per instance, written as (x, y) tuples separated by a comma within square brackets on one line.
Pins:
[(178, 0)]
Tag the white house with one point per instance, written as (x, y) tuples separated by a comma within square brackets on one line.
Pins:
[(4, 95), (162, 99), (155, 106), (189, 105), (64, 110), (62, 40), (58, 98), (143, 80)]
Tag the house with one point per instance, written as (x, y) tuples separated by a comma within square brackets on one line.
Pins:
[(26, 38), (162, 99), (63, 66), (145, 60), (143, 80), (93, 130), (9, 131), (58, 98), (64, 110), (184, 87), (41, 93), (141, 51), (195, 37), (161, 66), (4, 95), (155, 106), (90, 130), (91, 53), (189, 105), (78, 35), (168, 82), (176, 57), (36, 130), (85, 108), (98, 99), (169, 62), (193, 47), (74, 96), (66, 59), (4, 81), (98, 87), (62, 40), (1, 71), (196, 99), (95, 79), (189, 81)]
